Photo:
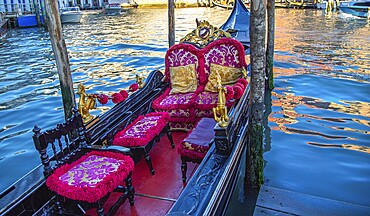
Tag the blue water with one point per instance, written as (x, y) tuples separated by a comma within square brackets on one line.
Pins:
[(317, 139)]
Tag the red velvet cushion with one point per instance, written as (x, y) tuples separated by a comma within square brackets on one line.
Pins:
[(142, 130), (92, 176)]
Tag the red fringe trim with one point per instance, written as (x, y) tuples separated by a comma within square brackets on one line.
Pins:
[(149, 134), (243, 81), (238, 89), (190, 154), (229, 92), (156, 103), (101, 189)]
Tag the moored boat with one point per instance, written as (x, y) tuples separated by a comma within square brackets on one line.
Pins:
[(238, 23), (356, 8), (301, 4), (113, 8), (70, 15), (30, 195), (228, 4)]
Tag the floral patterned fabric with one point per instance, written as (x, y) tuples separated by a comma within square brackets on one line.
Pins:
[(92, 176), (223, 54), (207, 98), (187, 108), (181, 126), (176, 99), (142, 130), (182, 55), (90, 171), (203, 113)]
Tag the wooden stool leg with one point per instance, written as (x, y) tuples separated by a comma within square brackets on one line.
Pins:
[(169, 135), (130, 189), (58, 205), (99, 208), (184, 168), (149, 162)]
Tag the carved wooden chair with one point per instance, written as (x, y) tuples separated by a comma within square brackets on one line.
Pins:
[(79, 174)]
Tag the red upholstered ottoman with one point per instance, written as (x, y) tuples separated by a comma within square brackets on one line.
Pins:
[(196, 144), (141, 135)]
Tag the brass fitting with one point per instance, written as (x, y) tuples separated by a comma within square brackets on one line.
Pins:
[(86, 103), (220, 112), (140, 80)]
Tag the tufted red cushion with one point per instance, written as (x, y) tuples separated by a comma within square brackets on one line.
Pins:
[(142, 130), (92, 176)]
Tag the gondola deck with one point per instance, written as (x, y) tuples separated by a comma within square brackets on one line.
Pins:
[(155, 194)]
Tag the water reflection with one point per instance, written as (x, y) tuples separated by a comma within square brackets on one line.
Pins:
[(320, 116)]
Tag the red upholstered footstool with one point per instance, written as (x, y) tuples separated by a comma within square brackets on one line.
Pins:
[(196, 144), (141, 135)]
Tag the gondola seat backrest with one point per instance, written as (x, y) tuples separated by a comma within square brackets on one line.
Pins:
[(192, 74)]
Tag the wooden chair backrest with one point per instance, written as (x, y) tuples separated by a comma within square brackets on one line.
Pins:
[(58, 145)]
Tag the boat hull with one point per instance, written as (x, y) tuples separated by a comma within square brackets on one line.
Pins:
[(356, 11), (356, 8), (71, 18), (112, 10), (238, 22)]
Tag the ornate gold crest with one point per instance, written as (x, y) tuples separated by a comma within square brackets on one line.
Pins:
[(204, 34)]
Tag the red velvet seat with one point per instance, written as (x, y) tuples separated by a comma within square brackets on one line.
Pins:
[(142, 133), (92, 176), (80, 175), (196, 144), (187, 108)]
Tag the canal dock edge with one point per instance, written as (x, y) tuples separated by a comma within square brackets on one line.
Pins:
[(275, 201)]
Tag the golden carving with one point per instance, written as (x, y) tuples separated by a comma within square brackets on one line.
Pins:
[(204, 34), (220, 112), (85, 103), (140, 80)]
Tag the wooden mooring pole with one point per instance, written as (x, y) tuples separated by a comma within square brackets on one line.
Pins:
[(270, 43), (254, 167), (171, 22), (61, 56)]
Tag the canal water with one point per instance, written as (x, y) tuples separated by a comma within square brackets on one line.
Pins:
[(317, 134)]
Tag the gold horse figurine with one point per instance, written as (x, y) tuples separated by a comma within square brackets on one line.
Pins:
[(85, 103), (139, 80), (220, 112)]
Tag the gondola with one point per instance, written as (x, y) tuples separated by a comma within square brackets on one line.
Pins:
[(356, 8), (238, 23), (187, 180), (223, 4)]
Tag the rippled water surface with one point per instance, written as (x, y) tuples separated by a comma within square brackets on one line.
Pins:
[(318, 137)]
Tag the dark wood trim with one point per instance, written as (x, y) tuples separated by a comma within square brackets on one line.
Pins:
[(208, 191)]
